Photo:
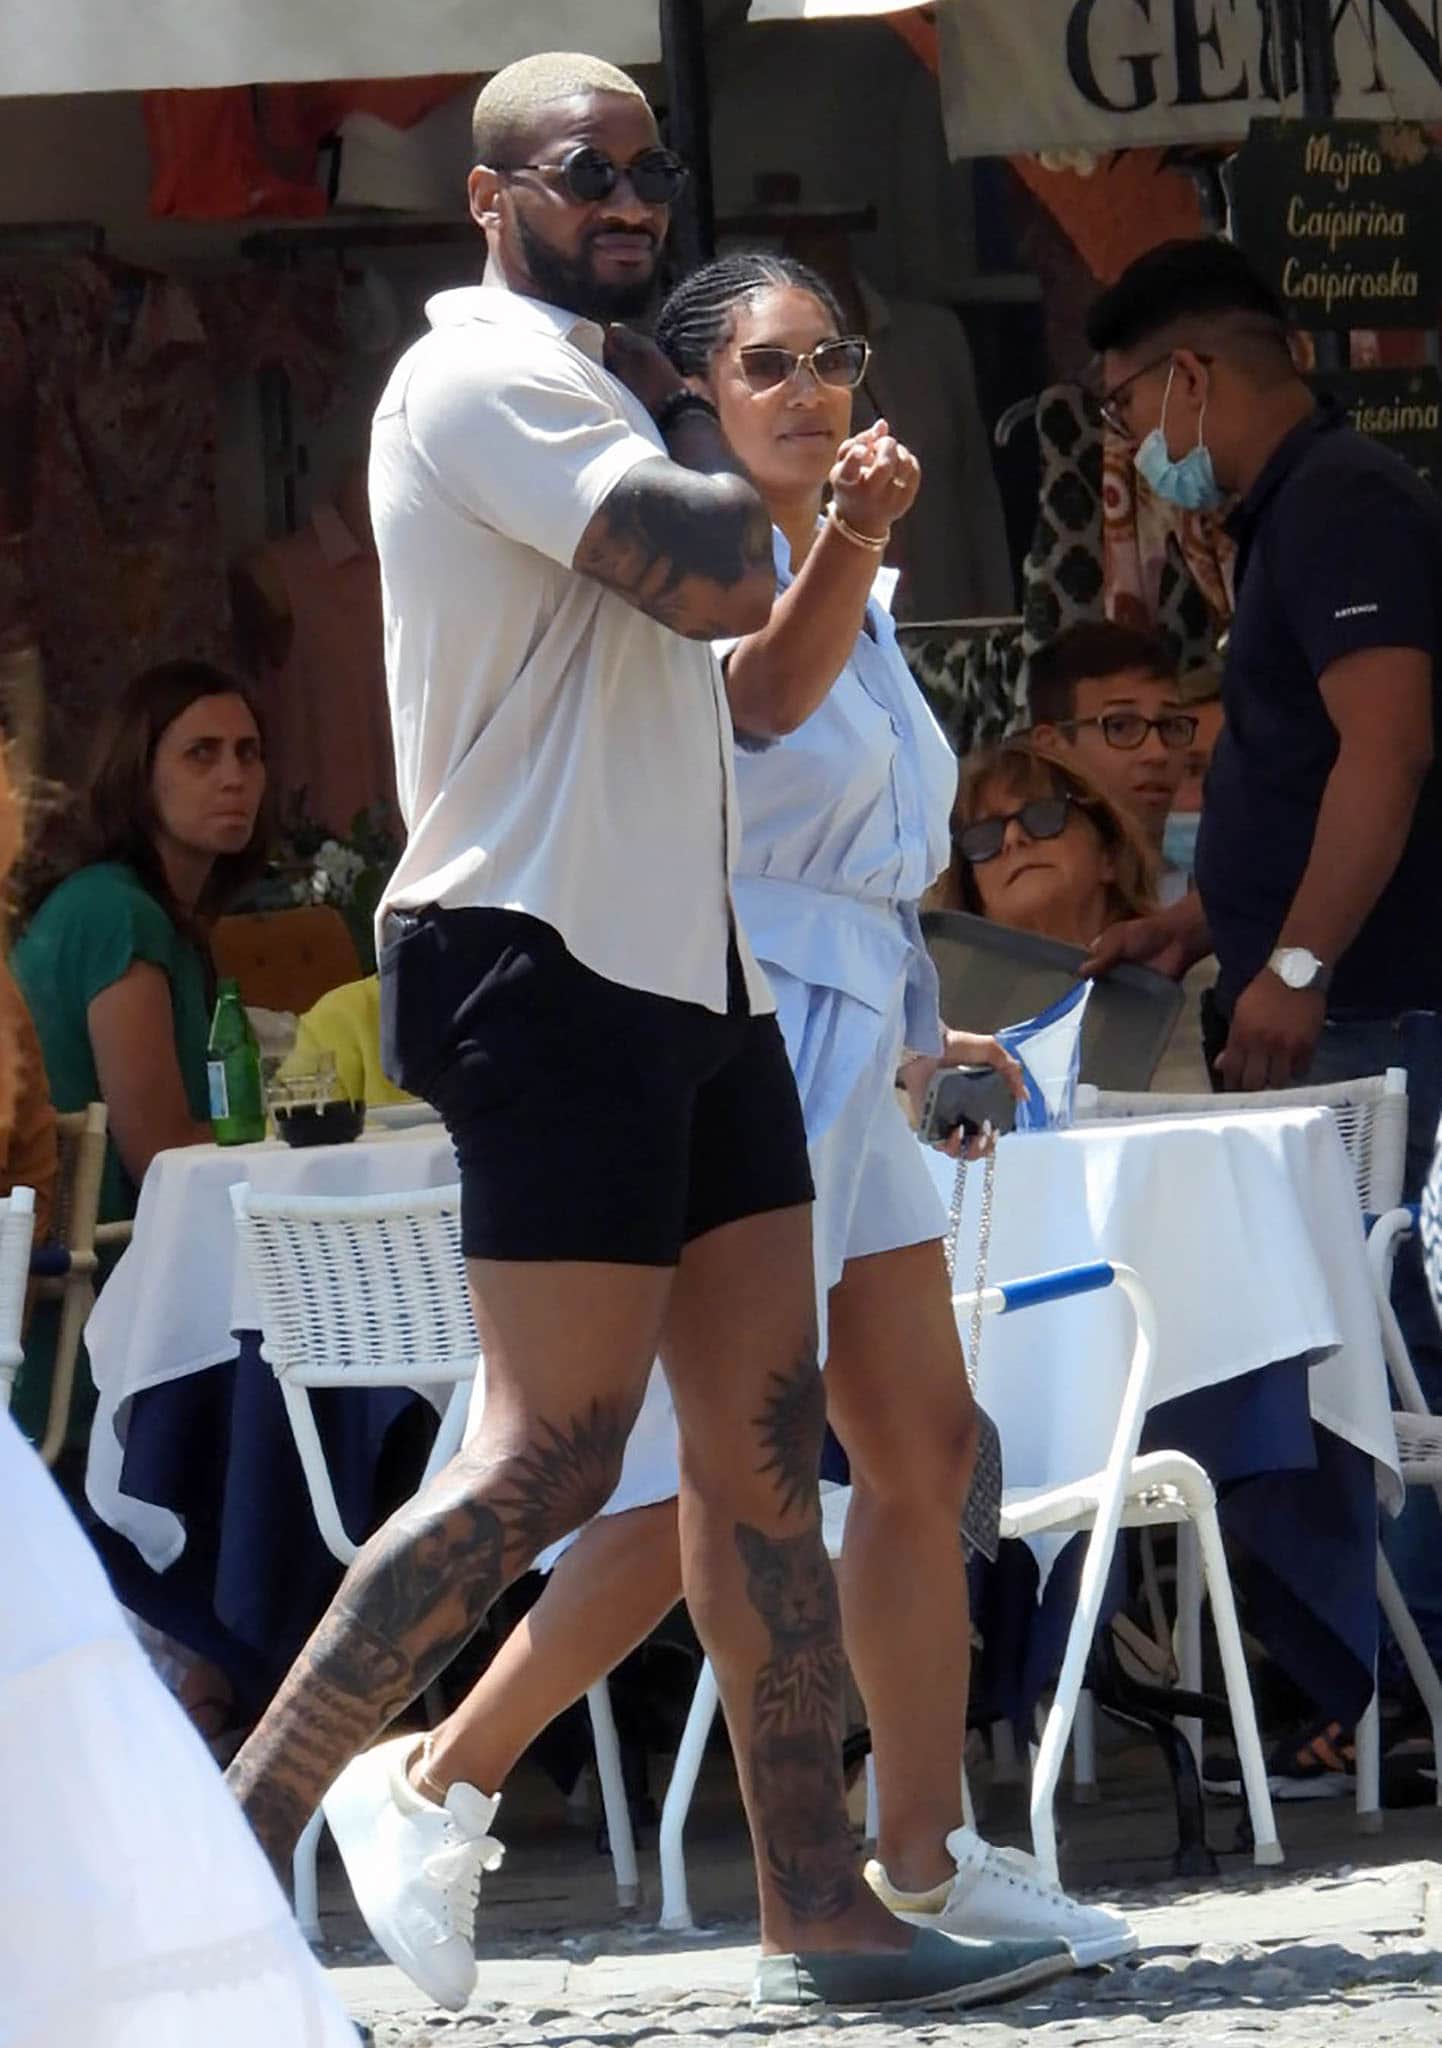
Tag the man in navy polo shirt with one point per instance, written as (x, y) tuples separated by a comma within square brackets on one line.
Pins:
[(1319, 864)]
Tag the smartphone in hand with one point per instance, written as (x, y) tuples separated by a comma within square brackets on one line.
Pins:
[(966, 1099)]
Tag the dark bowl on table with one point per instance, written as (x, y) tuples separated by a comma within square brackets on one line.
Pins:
[(321, 1123)]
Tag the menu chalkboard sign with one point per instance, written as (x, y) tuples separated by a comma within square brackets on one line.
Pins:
[(1400, 408), (1344, 219)]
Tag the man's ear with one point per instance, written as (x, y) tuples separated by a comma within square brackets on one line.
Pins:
[(1048, 739), (483, 190), (1192, 375)]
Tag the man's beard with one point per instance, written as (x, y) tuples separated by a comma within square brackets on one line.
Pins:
[(571, 285)]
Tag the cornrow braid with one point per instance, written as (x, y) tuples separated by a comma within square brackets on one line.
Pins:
[(695, 322)]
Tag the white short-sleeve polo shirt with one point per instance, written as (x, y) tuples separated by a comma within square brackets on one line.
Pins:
[(557, 751)]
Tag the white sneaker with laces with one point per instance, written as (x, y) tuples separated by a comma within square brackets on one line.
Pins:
[(415, 1867), (1000, 1894)]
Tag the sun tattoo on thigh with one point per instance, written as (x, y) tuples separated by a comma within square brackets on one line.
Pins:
[(791, 1425), (795, 1737)]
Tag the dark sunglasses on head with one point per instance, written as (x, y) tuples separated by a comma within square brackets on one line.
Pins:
[(1044, 817), (656, 176), (1128, 729), (841, 364)]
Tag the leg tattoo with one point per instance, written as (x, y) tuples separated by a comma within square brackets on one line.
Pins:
[(566, 1478), (414, 1597), (790, 1426), (795, 1742)]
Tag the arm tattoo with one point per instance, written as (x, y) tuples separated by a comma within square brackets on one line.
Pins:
[(790, 1426), (795, 1734), (413, 1598), (675, 544)]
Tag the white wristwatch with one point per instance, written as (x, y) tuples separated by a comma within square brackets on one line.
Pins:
[(1296, 967)]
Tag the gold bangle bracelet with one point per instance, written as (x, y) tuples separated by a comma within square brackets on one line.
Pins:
[(868, 541)]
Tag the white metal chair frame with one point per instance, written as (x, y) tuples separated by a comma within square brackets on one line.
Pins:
[(1419, 1445), (1130, 1491), (17, 1229), (371, 1291), (1371, 1117), (82, 1136)]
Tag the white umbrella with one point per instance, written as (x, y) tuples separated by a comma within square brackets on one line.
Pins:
[(67, 46)]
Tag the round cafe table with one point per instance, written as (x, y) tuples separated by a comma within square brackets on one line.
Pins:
[(1247, 1231)]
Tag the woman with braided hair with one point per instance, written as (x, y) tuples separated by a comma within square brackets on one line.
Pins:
[(845, 825)]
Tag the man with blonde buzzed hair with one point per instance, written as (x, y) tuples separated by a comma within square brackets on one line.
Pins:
[(562, 532)]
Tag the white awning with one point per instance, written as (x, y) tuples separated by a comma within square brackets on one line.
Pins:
[(1019, 77), (823, 10), (67, 46)]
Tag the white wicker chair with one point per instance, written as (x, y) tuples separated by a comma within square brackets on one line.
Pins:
[(1371, 1116), (370, 1291), (17, 1227)]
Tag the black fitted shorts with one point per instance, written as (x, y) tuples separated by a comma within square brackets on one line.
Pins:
[(590, 1120)]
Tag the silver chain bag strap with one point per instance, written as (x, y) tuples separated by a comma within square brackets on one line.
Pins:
[(981, 1517)]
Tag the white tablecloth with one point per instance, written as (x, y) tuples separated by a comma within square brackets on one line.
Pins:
[(179, 1293), (1247, 1232)]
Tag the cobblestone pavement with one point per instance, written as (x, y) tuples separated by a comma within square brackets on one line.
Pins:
[(1344, 1946), (1350, 1991)]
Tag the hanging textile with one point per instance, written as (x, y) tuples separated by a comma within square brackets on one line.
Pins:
[(121, 562), (243, 151), (1165, 569)]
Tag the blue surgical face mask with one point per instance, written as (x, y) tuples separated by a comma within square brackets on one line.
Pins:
[(1179, 840), (1190, 483)]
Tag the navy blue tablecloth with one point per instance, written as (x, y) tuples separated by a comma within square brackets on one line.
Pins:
[(255, 1575), (1297, 1505)]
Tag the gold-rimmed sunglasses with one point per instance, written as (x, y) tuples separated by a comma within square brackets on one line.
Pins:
[(840, 364)]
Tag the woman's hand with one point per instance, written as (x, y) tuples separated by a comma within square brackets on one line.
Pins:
[(643, 369), (961, 1049), (874, 481)]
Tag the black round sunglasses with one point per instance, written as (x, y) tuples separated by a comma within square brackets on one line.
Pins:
[(656, 176), (1044, 817)]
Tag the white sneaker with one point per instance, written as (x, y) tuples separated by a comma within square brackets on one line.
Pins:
[(1000, 1894), (415, 1867)]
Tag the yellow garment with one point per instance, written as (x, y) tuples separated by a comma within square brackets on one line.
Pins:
[(347, 1023)]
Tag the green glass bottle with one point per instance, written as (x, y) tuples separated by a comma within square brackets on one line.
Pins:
[(237, 1108)]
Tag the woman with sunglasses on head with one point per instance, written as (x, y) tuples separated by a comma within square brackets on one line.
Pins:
[(845, 825)]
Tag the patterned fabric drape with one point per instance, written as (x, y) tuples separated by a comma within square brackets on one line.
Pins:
[(1104, 547), (115, 557)]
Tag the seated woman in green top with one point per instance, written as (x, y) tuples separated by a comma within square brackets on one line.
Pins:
[(114, 962)]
